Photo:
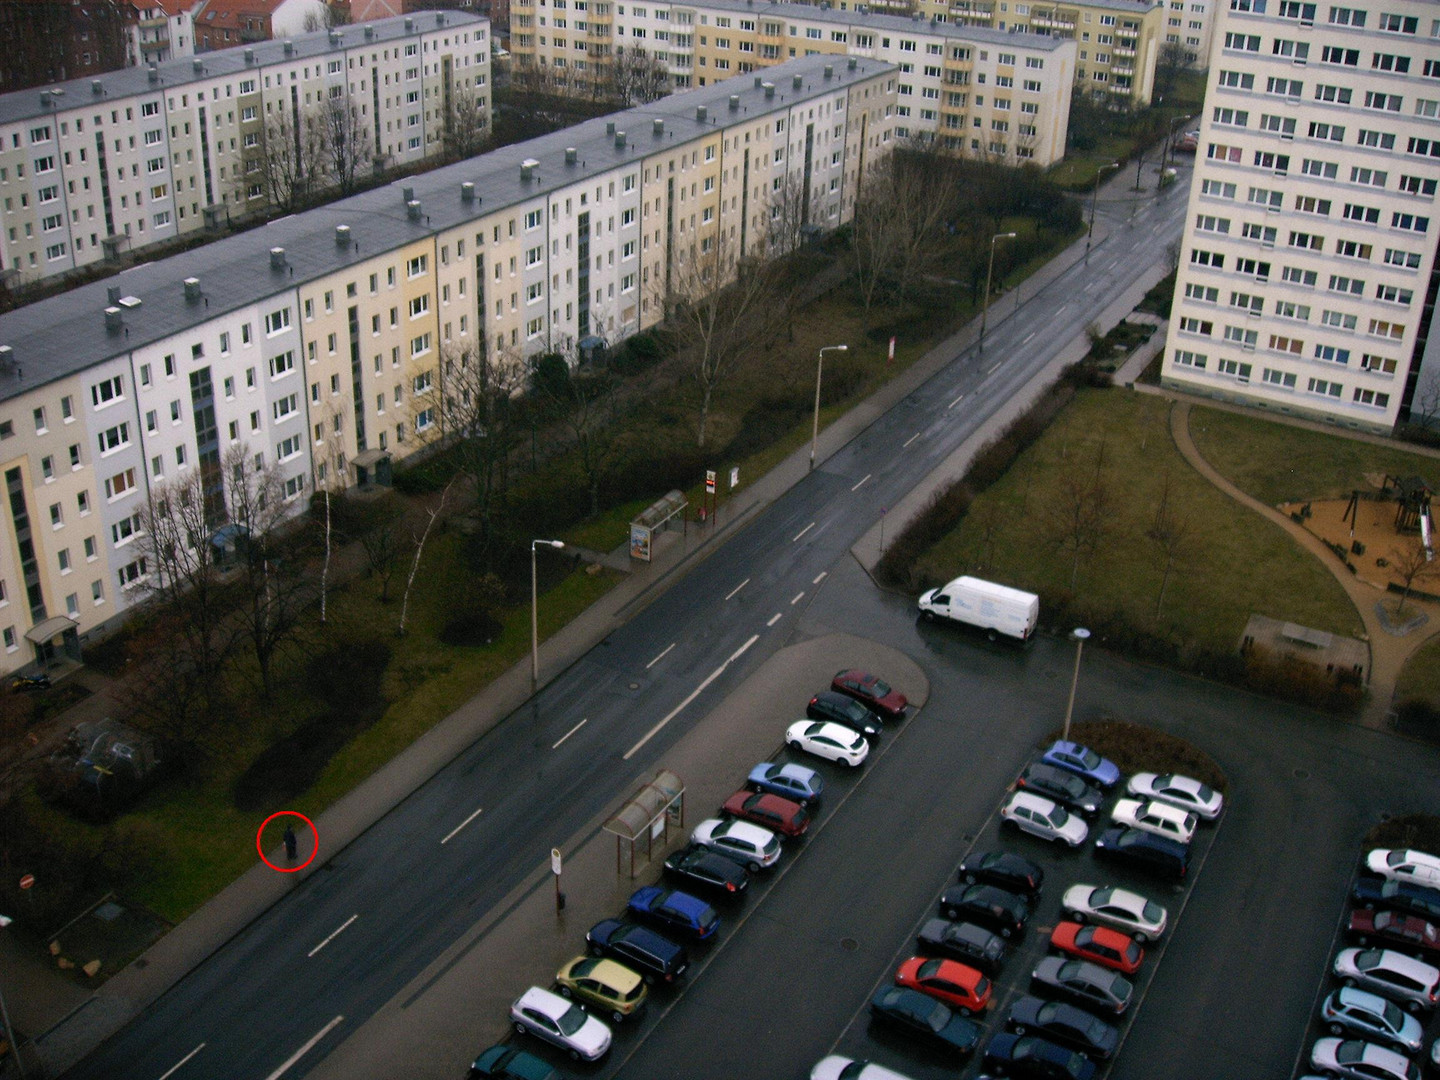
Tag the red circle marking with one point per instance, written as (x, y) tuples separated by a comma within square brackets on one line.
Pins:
[(260, 836), (27, 881)]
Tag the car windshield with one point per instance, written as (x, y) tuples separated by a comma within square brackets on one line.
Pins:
[(1153, 912), (583, 968), (572, 1020), (927, 969), (938, 1018), (1070, 784), (1350, 1051), (1059, 816), (1101, 897), (982, 987), (1394, 1018), (879, 688), (1395, 858)]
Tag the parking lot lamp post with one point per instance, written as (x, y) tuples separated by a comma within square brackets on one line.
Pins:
[(815, 427), (5, 1016), (1079, 635), (1094, 195), (989, 273), (534, 612)]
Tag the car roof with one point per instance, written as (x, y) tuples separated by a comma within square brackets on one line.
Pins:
[(1164, 810), (1142, 838), (1030, 799), (744, 830), (615, 975), (538, 997)]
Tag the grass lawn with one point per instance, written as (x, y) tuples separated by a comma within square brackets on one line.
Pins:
[(1421, 675), (1277, 463), (1234, 563)]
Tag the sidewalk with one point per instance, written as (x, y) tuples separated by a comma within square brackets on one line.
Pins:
[(72, 1030)]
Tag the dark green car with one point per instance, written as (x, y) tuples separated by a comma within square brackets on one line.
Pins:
[(508, 1063)]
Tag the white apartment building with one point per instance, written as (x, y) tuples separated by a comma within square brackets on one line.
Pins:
[(976, 91), (158, 30), (93, 168), (1305, 280), (323, 343)]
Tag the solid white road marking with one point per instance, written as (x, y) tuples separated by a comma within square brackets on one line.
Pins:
[(775, 618), (861, 481), (657, 659), (819, 577), (333, 936), (576, 728), (462, 824), (994, 369), (283, 1069), (182, 1061), (693, 695), (737, 588), (912, 438), (802, 532)]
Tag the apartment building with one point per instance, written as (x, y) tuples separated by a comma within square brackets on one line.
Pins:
[(158, 30), (90, 169), (323, 343), (1306, 277), (979, 92)]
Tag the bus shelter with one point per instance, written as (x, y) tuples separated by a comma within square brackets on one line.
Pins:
[(646, 816)]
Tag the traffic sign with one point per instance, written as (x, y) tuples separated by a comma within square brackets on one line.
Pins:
[(27, 881), (555, 861), (709, 481)]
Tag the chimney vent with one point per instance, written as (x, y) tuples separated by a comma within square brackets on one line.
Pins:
[(277, 258), (198, 66), (609, 127), (619, 140), (114, 320), (829, 71), (334, 37), (154, 74), (852, 64), (369, 33), (342, 236), (407, 194), (192, 290), (129, 301), (769, 89), (7, 358), (527, 169), (467, 192), (289, 48), (439, 18), (702, 114), (45, 99), (412, 209), (409, 25), (759, 82), (97, 87), (797, 82), (571, 155), (734, 102), (249, 56), (657, 126), (112, 293)]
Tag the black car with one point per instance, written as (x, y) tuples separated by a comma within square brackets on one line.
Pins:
[(1002, 911), (1065, 1024), (1011, 872), (701, 868), (1062, 787), (828, 705), (1158, 854), (1033, 1058), (655, 956), (1399, 896), (965, 942), (922, 1016)]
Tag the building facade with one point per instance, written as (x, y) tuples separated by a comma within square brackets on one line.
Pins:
[(977, 92), (1306, 281), (321, 345), (158, 30), (92, 169)]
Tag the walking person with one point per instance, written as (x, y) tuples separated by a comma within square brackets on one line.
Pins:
[(291, 844)]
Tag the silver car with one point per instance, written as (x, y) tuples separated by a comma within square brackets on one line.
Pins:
[(1412, 983), (1360, 1060), (1362, 1014), (1041, 817)]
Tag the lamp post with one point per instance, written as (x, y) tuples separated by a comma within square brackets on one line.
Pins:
[(5, 1016), (990, 271), (815, 427), (1079, 634), (534, 612), (1094, 195)]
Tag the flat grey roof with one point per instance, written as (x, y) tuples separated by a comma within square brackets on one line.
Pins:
[(65, 334), (898, 24), (127, 82)]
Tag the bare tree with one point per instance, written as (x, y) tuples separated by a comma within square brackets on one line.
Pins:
[(900, 232), (1411, 564), (1170, 531), (587, 405), (290, 157), (1171, 61), (465, 131), (346, 142), (330, 479), (874, 236), (1079, 514), (432, 514), (637, 78), (381, 544)]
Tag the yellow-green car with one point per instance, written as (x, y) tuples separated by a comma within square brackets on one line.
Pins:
[(610, 986)]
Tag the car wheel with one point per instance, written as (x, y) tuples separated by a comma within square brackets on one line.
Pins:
[(565, 991), (953, 914), (927, 616), (618, 1017), (1076, 916), (521, 1029), (962, 1010), (969, 879), (595, 950), (649, 979), (1019, 1029), (794, 744), (1142, 938), (1363, 939), (1336, 1029), (1348, 982), (755, 868), (1005, 932), (992, 636), (1412, 1006), (574, 1055), (1062, 841)]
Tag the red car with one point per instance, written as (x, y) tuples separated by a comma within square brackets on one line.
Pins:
[(776, 814), (1393, 929), (866, 688), (1100, 945), (961, 987)]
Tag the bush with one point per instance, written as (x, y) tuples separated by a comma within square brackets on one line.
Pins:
[(1419, 831), (1417, 717)]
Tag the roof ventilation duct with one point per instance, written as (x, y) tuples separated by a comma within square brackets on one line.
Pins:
[(342, 236), (277, 258), (192, 290)]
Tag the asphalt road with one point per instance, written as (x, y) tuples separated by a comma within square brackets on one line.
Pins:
[(290, 988)]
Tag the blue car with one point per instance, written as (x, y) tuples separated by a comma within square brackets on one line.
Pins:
[(1083, 762), (1398, 895), (655, 956), (793, 782), (1030, 1055), (676, 911)]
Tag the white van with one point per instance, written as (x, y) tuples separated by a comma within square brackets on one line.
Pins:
[(996, 609)]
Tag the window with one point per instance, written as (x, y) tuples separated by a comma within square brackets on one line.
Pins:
[(1185, 358), (1383, 365), (1294, 275), (1283, 379), (1409, 222), (419, 305), (120, 484), (114, 438), (417, 266), (1383, 102), (419, 346), (1410, 260), (1393, 294), (277, 321), (1307, 241), (1197, 326), (1383, 328), (287, 448), (1294, 346), (1352, 249), (1240, 371), (1326, 170), (1308, 204), (1369, 215), (1349, 285), (131, 574), (1207, 294), (125, 530), (1338, 94), (1384, 140), (422, 383), (1390, 62), (1368, 177), (1327, 132), (1417, 185), (286, 406), (1334, 54), (1284, 87)]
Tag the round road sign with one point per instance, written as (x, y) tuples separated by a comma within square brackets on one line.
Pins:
[(27, 881)]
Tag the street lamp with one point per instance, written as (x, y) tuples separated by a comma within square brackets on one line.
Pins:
[(534, 612), (1079, 634), (815, 428), (1094, 195), (5, 1016), (985, 304)]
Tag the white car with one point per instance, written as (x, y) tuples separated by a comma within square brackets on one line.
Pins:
[(1040, 817), (560, 1021), (1361, 1060), (833, 742), (836, 1067), (1405, 864), (1159, 818), (1129, 911), (1188, 794), (749, 845)]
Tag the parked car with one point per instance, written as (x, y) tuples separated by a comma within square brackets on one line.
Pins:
[(1394, 929), (1028, 1056), (1040, 817), (1004, 912), (958, 985), (1188, 794), (870, 691), (794, 782), (507, 1063), (1360, 1060), (1013, 873), (1063, 787), (1083, 982), (563, 1023), (1405, 864), (700, 868), (1188, 143), (1083, 762), (788, 819), (613, 987), (1413, 983), (966, 942), (836, 1067), (1099, 944), (1398, 895), (1147, 850), (749, 845), (1063, 1023), (675, 912), (1160, 818), (829, 740), (656, 957), (1359, 1013), (1125, 910), (923, 1017), (845, 711)]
